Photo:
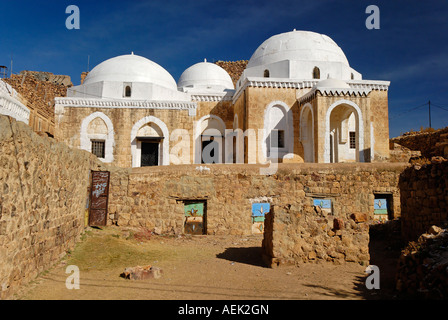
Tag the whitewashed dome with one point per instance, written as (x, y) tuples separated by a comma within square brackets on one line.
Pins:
[(298, 46), (205, 75), (131, 68)]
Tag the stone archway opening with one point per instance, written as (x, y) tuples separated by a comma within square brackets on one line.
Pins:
[(344, 133)]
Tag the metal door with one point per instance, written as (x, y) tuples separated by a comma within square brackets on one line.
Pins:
[(99, 198)]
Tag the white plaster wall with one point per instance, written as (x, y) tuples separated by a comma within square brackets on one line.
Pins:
[(292, 69), (115, 90)]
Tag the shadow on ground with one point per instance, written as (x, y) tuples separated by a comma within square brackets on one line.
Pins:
[(250, 255), (385, 247)]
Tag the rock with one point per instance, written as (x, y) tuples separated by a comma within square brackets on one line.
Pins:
[(338, 224), (312, 255), (141, 273), (359, 217), (157, 231), (435, 230)]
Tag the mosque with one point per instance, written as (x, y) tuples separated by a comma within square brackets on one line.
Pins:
[(297, 101)]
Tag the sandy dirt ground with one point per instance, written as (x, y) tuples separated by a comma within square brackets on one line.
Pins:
[(194, 268)]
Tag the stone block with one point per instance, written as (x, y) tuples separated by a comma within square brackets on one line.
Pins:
[(359, 217), (338, 224)]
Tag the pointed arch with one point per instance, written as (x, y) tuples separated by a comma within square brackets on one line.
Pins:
[(307, 132), (108, 136), (164, 154), (359, 130)]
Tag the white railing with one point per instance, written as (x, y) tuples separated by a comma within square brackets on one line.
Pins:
[(10, 106)]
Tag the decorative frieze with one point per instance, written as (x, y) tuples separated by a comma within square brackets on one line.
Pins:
[(212, 97), (128, 104), (359, 87)]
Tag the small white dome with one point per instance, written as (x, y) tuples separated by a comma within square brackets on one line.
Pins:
[(131, 68), (298, 46), (205, 75), (332, 83)]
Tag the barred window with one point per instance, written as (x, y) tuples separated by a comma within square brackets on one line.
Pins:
[(352, 140), (99, 148)]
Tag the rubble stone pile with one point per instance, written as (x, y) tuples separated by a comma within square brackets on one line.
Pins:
[(430, 143), (234, 68), (38, 92), (423, 266)]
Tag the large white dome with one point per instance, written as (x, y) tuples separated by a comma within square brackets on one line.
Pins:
[(131, 68), (298, 46), (205, 75), (300, 55)]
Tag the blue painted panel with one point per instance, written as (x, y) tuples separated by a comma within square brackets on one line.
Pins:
[(323, 203), (260, 209), (380, 204)]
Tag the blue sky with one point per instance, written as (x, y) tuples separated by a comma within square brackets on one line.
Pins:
[(410, 49)]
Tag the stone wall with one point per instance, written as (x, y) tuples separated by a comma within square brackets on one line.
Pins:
[(399, 153), (297, 231), (38, 91), (43, 193), (69, 122), (425, 142), (234, 68), (424, 198)]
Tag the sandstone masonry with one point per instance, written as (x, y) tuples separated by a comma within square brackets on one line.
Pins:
[(43, 192)]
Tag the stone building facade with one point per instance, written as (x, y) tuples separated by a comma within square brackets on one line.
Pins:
[(297, 100)]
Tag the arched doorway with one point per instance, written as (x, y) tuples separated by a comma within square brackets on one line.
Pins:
[(278, 139), (307, 132), (210, 140), (150, 143), (344, 133)]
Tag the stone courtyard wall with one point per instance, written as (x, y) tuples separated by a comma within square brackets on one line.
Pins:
[(43, 193), (295, 231), (424, 198)]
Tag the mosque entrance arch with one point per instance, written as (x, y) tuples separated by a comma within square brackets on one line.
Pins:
[(149, 143)]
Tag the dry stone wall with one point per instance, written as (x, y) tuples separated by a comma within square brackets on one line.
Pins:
[(43, 192), (432, 143), (295, 231), (424, 198)]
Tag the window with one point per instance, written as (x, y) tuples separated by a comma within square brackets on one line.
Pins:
[(352, 140), (277, 138), (266, 73), (127, 92), (316, 73), (99, 148), (353, 76)]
